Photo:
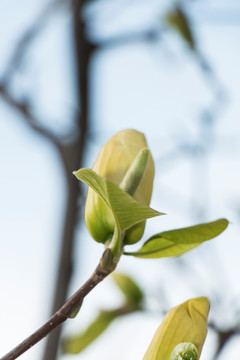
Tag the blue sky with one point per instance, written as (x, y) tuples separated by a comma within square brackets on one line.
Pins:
[(158, 90)]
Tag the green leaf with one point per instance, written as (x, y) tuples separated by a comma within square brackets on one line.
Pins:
[(179, 21), (75, 311), (76, 344), (126, 210), (156, 249), (129, 288), (196, 233), (177, 242)]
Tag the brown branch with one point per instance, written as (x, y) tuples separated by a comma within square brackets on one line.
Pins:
[(223, 337), (24, 110), (71, 154), (60, 316), (72, 160)]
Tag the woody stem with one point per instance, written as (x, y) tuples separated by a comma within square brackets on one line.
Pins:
[(60, 316)]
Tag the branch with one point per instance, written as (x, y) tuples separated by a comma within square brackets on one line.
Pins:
[(24, 109), (65, 312), (27, 38), (71, 153), (223, 337), (72, 158), (149, 36)]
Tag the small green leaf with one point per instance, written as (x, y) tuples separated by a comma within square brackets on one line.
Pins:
[(161, 248), (196, 233), (177, 242), (129, 288), (76, 344), (179, 21), (126, 211), (75, 311)]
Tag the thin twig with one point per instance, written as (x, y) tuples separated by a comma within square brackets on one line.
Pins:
[(27, 38), (60, 316), (24, 110)]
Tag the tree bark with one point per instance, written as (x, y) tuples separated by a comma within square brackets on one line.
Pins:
[(73, 157)]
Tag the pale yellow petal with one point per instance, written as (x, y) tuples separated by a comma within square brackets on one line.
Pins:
[(184, 323)]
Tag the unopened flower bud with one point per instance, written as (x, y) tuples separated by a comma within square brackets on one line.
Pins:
[(186, 323), (113, 163)]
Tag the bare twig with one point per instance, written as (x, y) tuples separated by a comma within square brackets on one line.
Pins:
[(71, 153), (24, 109), (26, 39), (60, 316)]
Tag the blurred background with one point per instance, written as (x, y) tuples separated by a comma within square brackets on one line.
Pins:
[(73, 73)]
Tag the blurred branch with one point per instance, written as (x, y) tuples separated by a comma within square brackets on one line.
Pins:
[(83, 52), (223, 338), (24, 109), (71, 153), (151, 35), (28, 36)]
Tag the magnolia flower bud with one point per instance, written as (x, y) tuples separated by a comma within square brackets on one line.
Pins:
[(184, 323), (113, 162)]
